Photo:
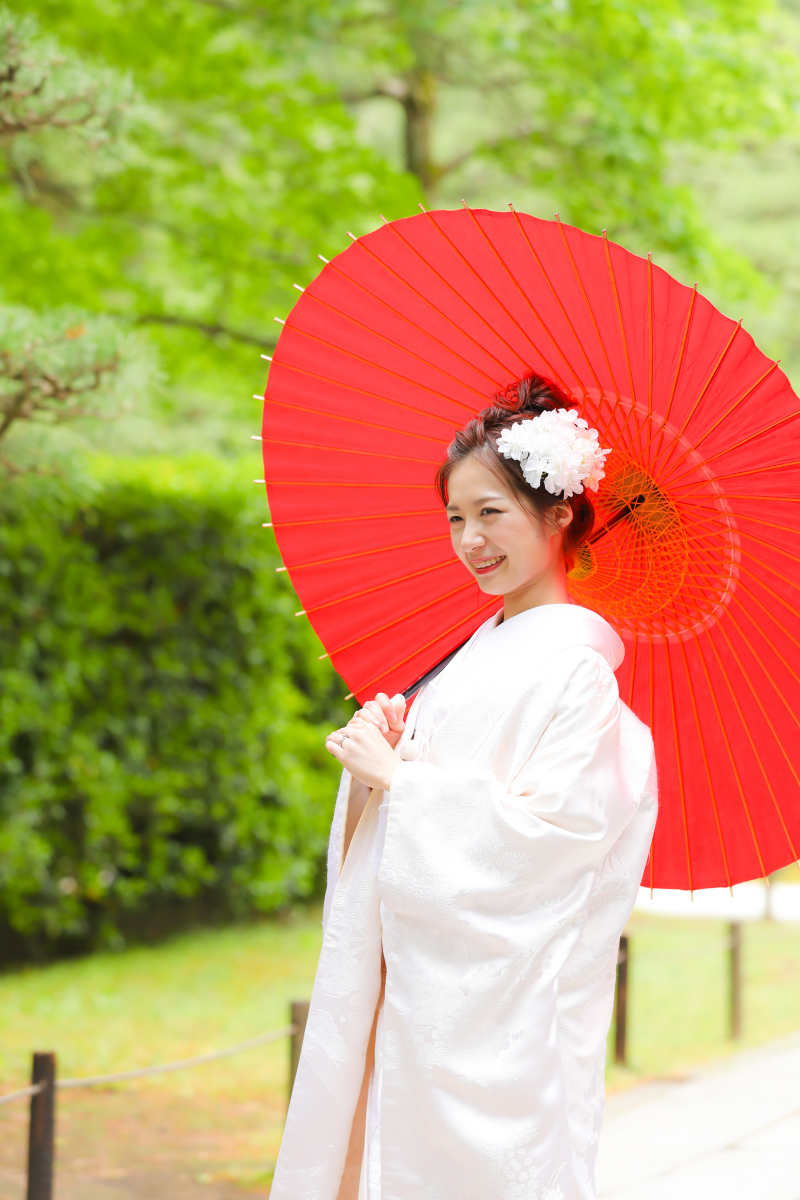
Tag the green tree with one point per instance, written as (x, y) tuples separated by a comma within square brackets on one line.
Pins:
[(56, 112), (585, 100)]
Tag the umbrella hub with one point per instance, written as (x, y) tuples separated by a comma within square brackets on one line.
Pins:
[(642, 568)]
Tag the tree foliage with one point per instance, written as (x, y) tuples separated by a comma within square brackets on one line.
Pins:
[(249, 151), (64, 365), (161, 711)]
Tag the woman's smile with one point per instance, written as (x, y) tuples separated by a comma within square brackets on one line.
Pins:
[(482, 566)]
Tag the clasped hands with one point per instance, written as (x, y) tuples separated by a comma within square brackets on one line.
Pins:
[(365, 747)]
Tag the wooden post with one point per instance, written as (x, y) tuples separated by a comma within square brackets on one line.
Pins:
[(41, 1132), (736, 979), (621, 1025), (299, 1017)]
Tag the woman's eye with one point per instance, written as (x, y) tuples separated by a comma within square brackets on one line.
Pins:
[(485, 512), (454, 520)]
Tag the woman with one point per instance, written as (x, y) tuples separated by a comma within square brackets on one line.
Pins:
[(484, 858)]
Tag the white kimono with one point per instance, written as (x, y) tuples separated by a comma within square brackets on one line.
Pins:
[(496, 877)]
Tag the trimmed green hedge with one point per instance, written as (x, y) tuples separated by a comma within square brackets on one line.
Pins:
[(161, 709)]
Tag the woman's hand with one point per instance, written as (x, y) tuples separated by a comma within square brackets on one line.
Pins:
[(387, 715), (364, 751)]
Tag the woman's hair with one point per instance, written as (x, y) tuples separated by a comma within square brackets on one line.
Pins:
[(528, 397)]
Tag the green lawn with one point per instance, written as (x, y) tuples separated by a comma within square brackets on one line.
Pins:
[(678, 1006), (210, 989), (199, 992)]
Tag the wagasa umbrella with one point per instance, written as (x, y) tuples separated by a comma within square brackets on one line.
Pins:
[(695, 554)]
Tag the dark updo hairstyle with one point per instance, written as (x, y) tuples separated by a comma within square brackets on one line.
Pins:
[(528, 397)]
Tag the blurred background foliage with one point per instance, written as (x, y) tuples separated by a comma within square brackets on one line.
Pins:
[(161, 712), (167, 172)]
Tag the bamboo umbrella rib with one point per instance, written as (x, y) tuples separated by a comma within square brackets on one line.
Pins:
[(495, 383), (369, 395), (386, 371), (760, 470), (769, 613), (379, 587), (589, 309), (755, 496), (324, 562), (426, 362), (678, 759), (419, 650), (618, 310), (744, 396), (497, 300), (362, 453), (770, 546), (711, 792), (765, 714), (753, 746), (741, 516), (403, 617), (710, 378), (456, 293), (425, 437), (565, 314), (633, 672), (529, 303), (751, 437), (348, 520), (651, 334), (344, 483), (731, 757), (624, 431), (778, 655), (400, 345), (438, 311), (624, 340), (682, 352), (652, 725), (520, 289)]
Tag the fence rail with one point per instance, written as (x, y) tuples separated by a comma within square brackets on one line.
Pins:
[(44, 1082), (44, 1085)]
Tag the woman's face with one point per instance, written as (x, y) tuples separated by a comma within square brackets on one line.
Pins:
[(507, 546)]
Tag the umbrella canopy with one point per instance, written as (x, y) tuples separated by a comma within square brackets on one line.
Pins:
[(694, 559)]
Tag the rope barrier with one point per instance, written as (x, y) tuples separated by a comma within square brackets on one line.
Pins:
[(143, 1072), (180, 1064), (33, 1090)]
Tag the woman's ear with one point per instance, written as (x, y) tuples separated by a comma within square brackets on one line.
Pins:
[(561, 515)]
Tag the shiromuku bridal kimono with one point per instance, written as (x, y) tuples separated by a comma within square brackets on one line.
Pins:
[(456, 1040)]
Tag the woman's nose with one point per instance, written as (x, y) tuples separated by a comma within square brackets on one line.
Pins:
[(472, 538)]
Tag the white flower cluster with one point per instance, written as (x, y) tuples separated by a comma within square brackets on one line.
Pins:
[(558, 446)]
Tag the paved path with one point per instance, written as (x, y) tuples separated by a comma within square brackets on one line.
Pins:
[(745, 902), (729, 1133)]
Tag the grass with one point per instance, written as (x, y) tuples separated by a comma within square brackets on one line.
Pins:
[(678, 1006), (202, 991), (221, 1123), (209, 989)]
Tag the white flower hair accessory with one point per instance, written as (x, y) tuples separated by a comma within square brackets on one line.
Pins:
[(558, 446)]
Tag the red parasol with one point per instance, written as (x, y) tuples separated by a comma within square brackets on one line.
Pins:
[(406, 335)]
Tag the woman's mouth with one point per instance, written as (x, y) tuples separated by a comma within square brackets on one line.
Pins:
[(484, 565)]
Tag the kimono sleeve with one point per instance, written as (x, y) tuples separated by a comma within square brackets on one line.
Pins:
[(553, 820)]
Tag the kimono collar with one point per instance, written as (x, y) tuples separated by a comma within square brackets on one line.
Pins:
[(521, 646), (551, 626)]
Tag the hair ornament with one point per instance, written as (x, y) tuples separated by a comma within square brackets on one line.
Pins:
[(558, 447)]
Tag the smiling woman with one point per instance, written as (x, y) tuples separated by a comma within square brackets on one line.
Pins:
[(517, 540), (484, 858)]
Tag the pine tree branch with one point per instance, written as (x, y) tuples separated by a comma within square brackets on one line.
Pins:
[(211, 330)]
